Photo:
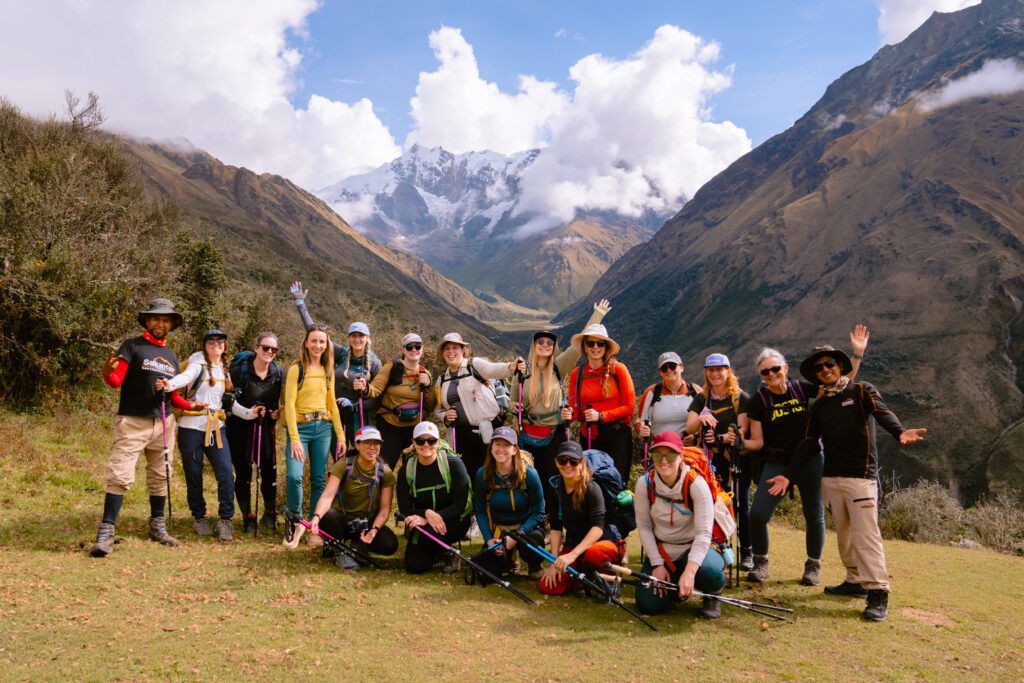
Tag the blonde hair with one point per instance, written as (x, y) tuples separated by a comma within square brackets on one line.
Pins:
[(544, 382), (366, 355), (732, 385), (578, 492)]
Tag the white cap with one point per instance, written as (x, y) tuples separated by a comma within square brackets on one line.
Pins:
[(368, 433), (425, 429)]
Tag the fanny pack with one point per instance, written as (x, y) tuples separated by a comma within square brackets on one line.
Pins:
[(407, 412), (537, 436)]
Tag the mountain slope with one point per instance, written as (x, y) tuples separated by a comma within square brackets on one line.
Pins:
[(869, 208)]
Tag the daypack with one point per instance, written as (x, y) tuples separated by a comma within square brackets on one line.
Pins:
[(191, 389), (501, 395), (242, 361), (443, 451), (619, 519), (699, 466), (375, 483)]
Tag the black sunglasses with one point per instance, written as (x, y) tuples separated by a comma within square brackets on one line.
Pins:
[(567, 461), (545, 341), (268, 349), (771, 371), (413, 346), (597, 343), (830, 363), (669, 367), (430, 441)]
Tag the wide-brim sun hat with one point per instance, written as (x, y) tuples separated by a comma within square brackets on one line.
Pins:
[(596, 331), (818, 352), (425, 429), (452, 338), (160, 307)]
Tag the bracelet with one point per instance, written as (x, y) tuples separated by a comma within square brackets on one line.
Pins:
[(857, 356), (315, 514), (375, 528)]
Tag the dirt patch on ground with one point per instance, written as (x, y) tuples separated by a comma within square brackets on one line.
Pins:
[(926, 617)]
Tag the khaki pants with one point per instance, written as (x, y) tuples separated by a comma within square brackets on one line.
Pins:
[(132, 437), (854, 506)]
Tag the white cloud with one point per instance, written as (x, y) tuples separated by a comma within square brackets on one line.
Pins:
[(456, 109), (638, 134), (995, 77), (561, 33), (897, 19), (355, 211), (217, 73)]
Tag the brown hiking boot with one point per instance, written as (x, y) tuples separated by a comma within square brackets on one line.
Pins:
[(225, 531), (104, 544), (759, 574), (812, 573), (158, 532)]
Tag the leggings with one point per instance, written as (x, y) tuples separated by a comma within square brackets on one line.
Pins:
[(190, 443), (336, 524), (742, 502), (315, 437), (396, 440), (544, 457), (470, 447), (242, 438), (615, 439), (808, 481), (421, 552)]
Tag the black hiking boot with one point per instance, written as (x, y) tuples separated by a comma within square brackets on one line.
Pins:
[(759, 573), (747, 559), (847, 590), (249, 524), (269, 521), (710, 608), (158, 532), (878, 605), (812, 573), (104, 544)]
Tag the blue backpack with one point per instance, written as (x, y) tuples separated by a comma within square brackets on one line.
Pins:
[(619, 518)]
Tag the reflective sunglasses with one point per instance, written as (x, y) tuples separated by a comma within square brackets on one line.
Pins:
[(429, 441), (268, 349), (563, 461), (545, 341), (771, 371), (597, 343), (670, 456), (830, 363), (413, 346), (668, 367)]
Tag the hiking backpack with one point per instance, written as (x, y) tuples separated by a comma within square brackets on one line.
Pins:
[(699, 466), (498, 388), (242, 361), (619, 518), (443, 451), (375, 483)]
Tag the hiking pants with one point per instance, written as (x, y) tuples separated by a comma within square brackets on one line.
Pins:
[(315, 437), (615, 439), (808, 481), (853, 503), (190, 443), (544, 457), (471, 447), (132, 437), (722, 468), (593, 558), (710, 578), (243, 441), (421, 553), (336, 524), (396, 440)]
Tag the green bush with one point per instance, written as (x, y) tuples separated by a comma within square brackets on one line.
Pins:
[(926, 513)]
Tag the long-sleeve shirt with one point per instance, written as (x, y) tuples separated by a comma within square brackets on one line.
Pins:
[(315, 396), (671, 523), (211, 395), (576, 523), (431, 493), (405, 392), (144, 360), (842, 422), (473, 400), (608, 390), (523, 506)]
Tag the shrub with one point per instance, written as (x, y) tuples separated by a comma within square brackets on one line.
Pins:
[(997, 523), (926, 513)]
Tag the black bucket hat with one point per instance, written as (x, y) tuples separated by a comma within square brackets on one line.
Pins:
[(160, 307), (818, 352)]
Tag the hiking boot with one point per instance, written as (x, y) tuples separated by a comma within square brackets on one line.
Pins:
[(269, 521), (225, 531), (158, 532), (847, 590), (104, 544), (536, 571), (249, 525), (202, 527), (878, 605), (759, 573), (710, 608), (346, 562), (747, 559), (451, 565), (812, 573), (292, 535)]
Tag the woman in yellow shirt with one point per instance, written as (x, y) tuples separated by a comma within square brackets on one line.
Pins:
[(310, 414)]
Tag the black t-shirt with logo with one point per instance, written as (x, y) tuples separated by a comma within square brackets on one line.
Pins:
[(147, 362), (784, 419)]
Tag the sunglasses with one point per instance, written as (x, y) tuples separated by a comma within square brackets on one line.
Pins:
[(544, 341), (668, 367), (830, 363), (671, 456), (425, 442), (597, 343), (771, 371), (218, 341), (564, 462), (268, 349), (413, 346)]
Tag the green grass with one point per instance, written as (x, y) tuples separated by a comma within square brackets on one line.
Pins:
[(252, 609)]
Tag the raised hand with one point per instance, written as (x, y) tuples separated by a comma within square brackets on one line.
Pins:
[(603, 306), (298, 293), (110, 364), (859, 339)]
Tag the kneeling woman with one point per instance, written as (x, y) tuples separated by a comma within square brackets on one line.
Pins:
[(433, 490), (356, 503), (507, 495), (677, 541), (577, 516)]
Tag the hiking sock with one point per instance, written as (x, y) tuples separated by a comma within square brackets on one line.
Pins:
[(156, 506), (112, 507)]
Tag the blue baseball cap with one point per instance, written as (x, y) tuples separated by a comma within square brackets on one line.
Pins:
[(359, 328), (717, 360)]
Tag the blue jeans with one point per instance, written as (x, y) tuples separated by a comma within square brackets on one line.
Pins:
[(190, 443), (808, 481), (710, 578), (315, 438)]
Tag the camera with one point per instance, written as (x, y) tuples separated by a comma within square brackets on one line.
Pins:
[(356, 526)]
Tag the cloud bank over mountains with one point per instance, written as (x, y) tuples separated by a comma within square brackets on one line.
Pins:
[(897, 19)]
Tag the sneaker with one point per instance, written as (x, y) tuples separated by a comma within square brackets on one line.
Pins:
[(346, 562), (104, 544), (314, 541), (747, 559), (249, 525), (812, 573), (292, 535), (878, 605), (158, 532), (452, 564), (269, 521), (847, 589), (759, 573), (473, 531), (710, 608), (225, 530), (202, 527)]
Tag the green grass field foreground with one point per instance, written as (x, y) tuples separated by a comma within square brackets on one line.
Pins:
[(254, 610)]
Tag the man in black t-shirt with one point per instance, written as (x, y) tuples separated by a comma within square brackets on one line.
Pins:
[(144, 421)]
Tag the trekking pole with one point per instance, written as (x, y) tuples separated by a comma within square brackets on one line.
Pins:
[(167, 453), (590, 438), (658, 583), (338, 544), (362, 420), (647, 443), (476, 567), (568, 425), (601, 590), (259, 456), (734, 474), (519, 407)]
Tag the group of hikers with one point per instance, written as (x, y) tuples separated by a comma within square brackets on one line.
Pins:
[(369, 432)]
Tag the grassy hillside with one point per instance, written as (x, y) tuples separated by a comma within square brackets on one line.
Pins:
[(251, 609)]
